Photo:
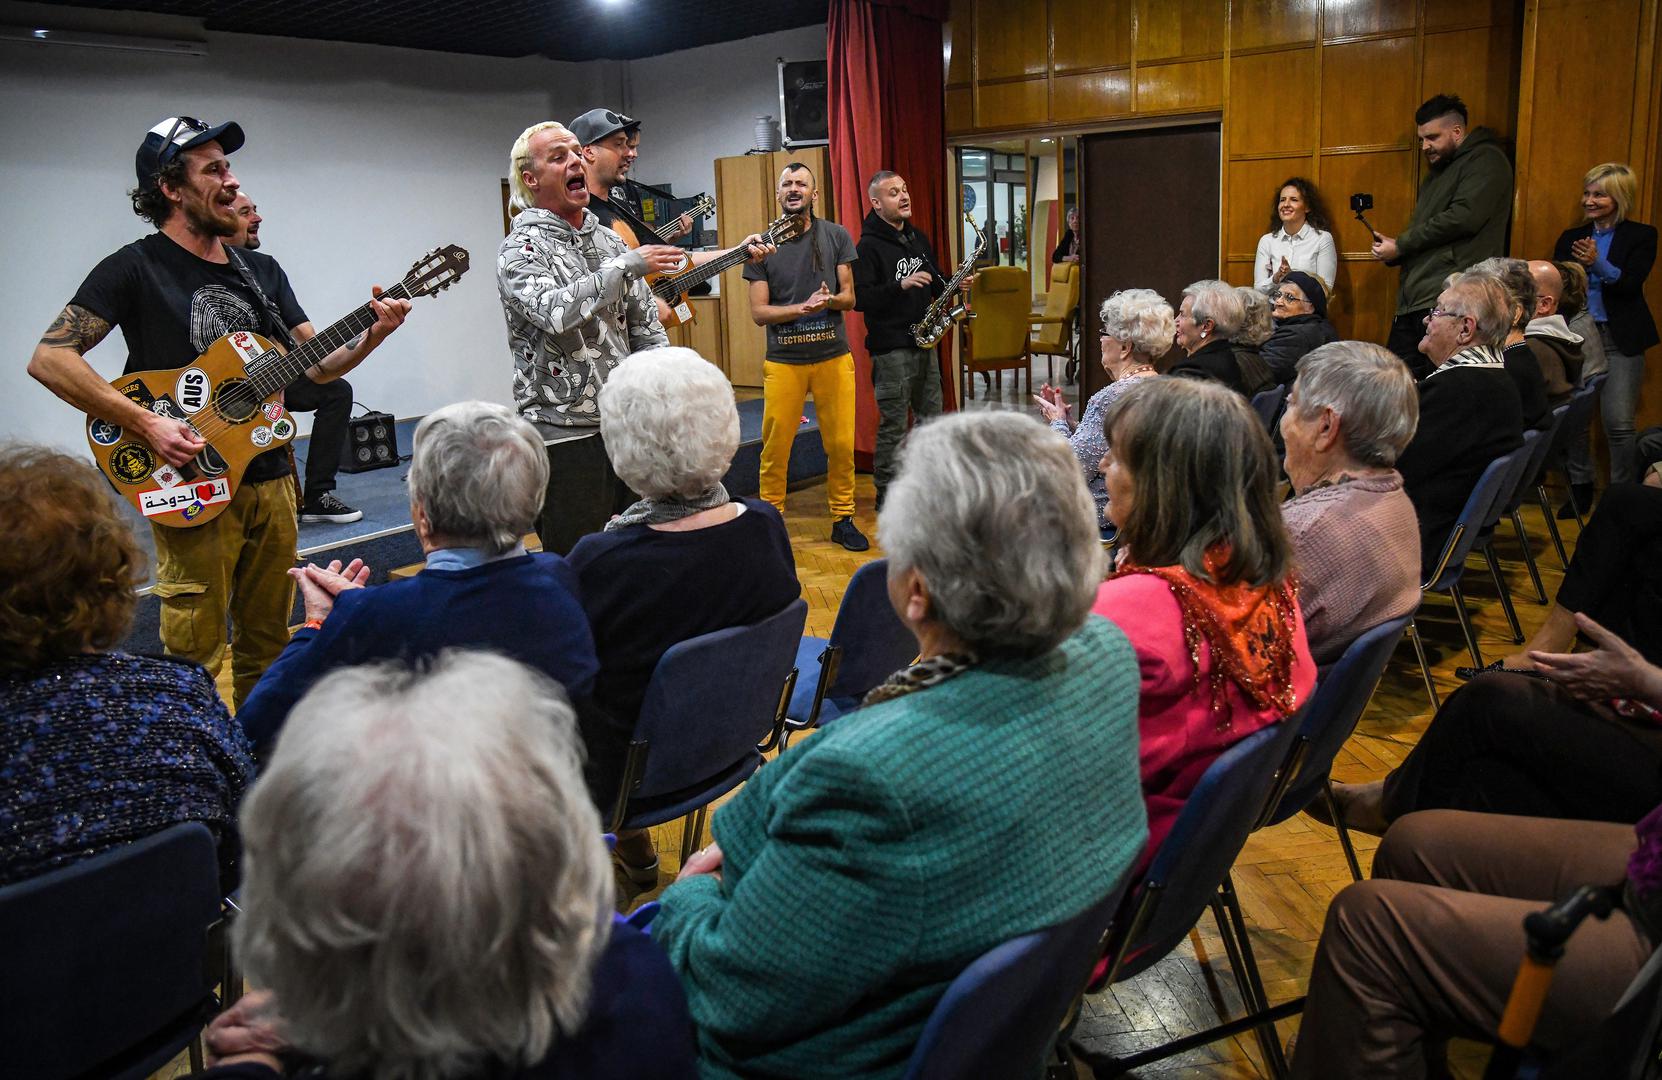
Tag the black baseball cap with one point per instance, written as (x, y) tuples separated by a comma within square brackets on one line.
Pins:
[(163, 142), (596, 124)]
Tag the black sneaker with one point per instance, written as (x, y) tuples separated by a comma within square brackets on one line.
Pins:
[(326, 507), (843, 532)]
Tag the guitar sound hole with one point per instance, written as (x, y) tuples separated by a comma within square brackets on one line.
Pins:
[(235, 401)]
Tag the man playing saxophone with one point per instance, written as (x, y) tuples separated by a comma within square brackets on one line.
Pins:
[(894, 282)]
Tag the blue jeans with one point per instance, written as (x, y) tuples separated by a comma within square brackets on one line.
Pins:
[(1618, 402)]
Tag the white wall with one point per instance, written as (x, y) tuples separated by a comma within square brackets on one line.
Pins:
[(700, 104), (361, 158)]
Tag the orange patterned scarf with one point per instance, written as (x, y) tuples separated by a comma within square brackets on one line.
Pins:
[(1250, 632)]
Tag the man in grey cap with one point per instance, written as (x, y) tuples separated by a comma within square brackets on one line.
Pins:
[(611, 143), (174, 293)]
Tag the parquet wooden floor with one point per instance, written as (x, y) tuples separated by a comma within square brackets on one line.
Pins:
[(1286, 875)]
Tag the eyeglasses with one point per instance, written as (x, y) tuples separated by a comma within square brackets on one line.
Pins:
[(1291, 298), (1439, 313)]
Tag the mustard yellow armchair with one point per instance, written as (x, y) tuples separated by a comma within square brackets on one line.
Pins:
[(1053, 335), (997, 338)]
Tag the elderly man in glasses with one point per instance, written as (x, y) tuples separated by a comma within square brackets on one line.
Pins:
[(174, 293), (1470, 411)]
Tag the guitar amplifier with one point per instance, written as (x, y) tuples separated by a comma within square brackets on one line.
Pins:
[(371, 443)]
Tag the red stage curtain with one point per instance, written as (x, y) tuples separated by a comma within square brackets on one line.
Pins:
[(887, 99)]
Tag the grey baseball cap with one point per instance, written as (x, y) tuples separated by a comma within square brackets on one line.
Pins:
[(596, 124)]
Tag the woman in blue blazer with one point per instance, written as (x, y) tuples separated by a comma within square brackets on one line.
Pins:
[(1618, 254)]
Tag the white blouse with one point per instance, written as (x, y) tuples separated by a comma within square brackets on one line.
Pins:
[(1310, 250)]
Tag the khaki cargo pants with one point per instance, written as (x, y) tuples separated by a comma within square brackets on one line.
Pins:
[(236, 563)]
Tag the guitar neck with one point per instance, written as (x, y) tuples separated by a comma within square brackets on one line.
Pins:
[(279, 373), (665, 288)]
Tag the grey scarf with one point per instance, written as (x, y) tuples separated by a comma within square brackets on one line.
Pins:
[(660, 511)]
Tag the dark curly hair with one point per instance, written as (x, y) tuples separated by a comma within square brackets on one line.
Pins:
[(70, 564), (1315, 211), (149, 202)]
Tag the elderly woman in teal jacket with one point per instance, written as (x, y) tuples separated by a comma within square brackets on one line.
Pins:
[(988, 790)]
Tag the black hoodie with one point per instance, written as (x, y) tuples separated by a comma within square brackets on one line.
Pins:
[(888, 254)]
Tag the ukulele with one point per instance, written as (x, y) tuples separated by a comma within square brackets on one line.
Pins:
[(229, 397)]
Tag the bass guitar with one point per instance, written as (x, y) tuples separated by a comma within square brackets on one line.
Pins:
[(672, 286), (229, 396)]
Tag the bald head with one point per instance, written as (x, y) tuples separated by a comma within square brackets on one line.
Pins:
[(1549, 287)]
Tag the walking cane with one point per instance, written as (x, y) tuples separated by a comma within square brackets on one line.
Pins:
[(1545, 933)]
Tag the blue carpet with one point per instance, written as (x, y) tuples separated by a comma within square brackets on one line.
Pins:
[(385, 540)]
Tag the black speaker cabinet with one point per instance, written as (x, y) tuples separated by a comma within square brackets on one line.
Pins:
[(371, 443), (803, 112)]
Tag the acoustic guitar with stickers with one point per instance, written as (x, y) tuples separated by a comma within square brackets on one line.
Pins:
[(682, 312), (230, 396)]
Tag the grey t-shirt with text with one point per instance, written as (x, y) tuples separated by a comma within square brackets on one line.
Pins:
[(793, 273)]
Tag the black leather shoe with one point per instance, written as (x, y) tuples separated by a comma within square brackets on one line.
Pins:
[(844, 532), (1583, 498)]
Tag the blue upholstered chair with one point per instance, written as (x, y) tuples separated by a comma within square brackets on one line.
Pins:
[(868, 643), (106, 961), (710, 701)]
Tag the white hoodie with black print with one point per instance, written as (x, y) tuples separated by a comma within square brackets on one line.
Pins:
[(577, 303)]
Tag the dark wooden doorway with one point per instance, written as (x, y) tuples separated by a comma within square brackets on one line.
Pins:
[(1150, 219)]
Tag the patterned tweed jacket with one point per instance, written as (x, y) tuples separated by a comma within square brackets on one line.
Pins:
[(870, 864)]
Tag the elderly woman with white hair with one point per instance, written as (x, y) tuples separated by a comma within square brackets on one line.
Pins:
[(928, 790), (1137, 329), (476, 484), (1470, 409), (1211, 315), (1352, 410), (685, 560), (428, 894)]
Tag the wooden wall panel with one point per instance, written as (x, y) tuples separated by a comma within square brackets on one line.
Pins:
[(1006, 105), (1365, 299), (960, 32), (1090, 97), (1570, 40), (959, 116), (1194, 84), (1347, 18), (1170, 28), (1445, 13), (1090, 33), (1387, 175), (1275, 120), (1369, 93), (1477, 65), (1011, 39), (1256, 23), (1252, 187)]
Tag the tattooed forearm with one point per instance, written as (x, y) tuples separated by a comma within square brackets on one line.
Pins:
[(75, 328)]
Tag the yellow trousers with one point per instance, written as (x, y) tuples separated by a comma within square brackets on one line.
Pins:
[(784, 388), (236, 563)]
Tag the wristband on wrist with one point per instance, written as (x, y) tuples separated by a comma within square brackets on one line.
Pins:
[(312, 624)]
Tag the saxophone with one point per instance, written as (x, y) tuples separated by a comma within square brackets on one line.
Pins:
[(946, 308)]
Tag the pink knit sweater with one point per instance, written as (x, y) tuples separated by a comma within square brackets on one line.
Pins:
[(1357, 543)]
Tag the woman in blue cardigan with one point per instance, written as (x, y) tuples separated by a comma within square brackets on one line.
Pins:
[(1618, 254)]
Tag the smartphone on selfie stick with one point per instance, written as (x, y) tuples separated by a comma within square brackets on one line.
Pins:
[(1360, 202)]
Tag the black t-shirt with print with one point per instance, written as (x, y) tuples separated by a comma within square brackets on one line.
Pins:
[(171, 305)]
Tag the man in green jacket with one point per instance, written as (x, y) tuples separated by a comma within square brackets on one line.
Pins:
[(1460, 218)]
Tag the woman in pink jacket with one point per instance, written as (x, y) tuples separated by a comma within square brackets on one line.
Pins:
[(1203, 586)]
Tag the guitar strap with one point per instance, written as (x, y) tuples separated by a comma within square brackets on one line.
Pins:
[(644, 232), (275, 317), (286, 339)]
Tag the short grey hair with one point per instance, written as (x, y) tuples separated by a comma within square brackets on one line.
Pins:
[(990, 508), (1515, 278), (1220, 302), (1482, 297), (480, 472), (425, 882), (1370, 389), (1142, 319), (877, 179), (1258, 323), (670, 422)]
